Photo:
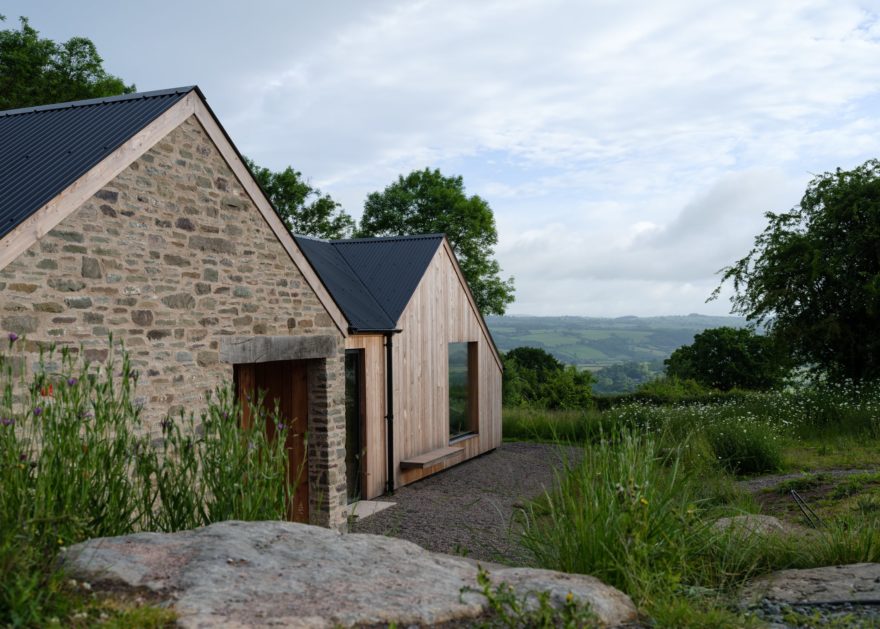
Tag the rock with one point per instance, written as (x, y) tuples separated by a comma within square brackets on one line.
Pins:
[(750, 524), (91, 268), (250, 574), (814, 586)]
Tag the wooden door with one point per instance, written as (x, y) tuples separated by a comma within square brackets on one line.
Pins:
[(285, 384)]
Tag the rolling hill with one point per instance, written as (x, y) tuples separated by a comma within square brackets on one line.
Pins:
[(593, 343)]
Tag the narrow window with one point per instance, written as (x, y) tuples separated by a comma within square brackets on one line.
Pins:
[(463, 417), (354, 423)]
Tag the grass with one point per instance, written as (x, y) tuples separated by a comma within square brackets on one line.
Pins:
[(637, 510), (76, 463)]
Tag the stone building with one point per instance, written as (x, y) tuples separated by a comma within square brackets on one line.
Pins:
[(135, 216)]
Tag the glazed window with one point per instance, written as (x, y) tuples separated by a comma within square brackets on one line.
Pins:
[(463, 417)]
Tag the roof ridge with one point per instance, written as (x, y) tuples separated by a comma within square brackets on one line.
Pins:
[(104, 100), (345, 241)]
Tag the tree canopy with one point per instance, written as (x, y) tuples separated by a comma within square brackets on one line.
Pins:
[(535, 377), (304, 209), (38, 71), (426, 202), (813, 276), (726, 358)]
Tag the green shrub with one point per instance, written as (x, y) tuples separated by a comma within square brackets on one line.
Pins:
[(76, 463), (745, 445)]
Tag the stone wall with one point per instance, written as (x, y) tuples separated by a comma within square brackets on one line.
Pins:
[(169, 257)]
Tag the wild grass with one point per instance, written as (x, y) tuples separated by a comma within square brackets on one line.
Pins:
[(76, 462), (637, 510)]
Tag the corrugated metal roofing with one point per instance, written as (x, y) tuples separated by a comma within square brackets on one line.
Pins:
[(45, 149), (356, 302), (371, 279)]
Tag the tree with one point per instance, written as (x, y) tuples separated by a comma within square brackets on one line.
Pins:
[(727, 358), (303, 208), (37, 71), (426, 202), (625, 377), (534, 376), (813, 276)]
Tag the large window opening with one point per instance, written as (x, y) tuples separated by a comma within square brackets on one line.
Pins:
[(463, 415)]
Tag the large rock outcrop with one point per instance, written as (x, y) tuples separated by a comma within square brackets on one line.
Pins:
[(249, 574)]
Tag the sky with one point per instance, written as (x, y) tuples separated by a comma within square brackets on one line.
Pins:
[(629, 150)]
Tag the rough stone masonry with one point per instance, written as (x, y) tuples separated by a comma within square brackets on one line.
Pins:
[(170, 257)]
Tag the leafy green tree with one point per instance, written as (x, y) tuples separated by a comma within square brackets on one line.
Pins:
[(534, 358), (303, 208), (534, 376), (37, 71), (426, 202), (813, 276), (727, 358), (625, 377), (567, 389)]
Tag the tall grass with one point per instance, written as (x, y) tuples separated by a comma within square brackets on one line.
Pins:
[(639, 515), (76, 463)]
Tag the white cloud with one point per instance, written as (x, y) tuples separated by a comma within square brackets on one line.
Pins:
[(629, 149)]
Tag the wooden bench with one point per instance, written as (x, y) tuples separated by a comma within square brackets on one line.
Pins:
[(429, 458)]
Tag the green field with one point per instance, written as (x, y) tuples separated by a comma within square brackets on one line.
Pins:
[(593, 343)]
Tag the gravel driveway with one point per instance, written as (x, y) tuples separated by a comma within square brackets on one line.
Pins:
[(471, 509)]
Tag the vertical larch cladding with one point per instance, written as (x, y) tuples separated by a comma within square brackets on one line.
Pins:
[(169, 257)]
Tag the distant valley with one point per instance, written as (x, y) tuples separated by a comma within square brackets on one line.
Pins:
[(593, 342)]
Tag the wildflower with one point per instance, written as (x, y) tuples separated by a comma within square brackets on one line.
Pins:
[(569, 598), (46, 391), (13, 337), (38, 411), (72, 381), (280, 426), (7, 421), (644, 501)]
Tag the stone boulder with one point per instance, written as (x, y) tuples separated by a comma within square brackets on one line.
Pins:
[(749, 524), (252, 574), (852, 583)]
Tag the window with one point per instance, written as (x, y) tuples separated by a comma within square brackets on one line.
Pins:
[(354, 423), (463, 417)]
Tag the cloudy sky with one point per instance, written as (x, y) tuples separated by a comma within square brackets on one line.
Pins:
[(628, 149)]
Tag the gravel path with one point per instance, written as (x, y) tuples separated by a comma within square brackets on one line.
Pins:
[(760, 483), (471, 509)]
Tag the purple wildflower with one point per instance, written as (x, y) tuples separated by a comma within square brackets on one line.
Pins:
[(22, 457), (13, 337), (72, 381), (7, 421), (280, 426), (38, 411)]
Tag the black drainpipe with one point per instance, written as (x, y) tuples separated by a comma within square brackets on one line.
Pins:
[(389, 408)]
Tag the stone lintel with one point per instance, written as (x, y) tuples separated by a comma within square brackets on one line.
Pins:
[(264, 349)]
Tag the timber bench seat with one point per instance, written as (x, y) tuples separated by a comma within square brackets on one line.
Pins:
[(429, 458)]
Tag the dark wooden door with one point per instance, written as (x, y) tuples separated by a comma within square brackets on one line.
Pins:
[(285, 384)]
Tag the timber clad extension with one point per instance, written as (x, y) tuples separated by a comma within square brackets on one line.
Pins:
[(135, 216), (410, 289)]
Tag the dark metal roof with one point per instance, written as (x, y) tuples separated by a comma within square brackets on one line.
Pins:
[(356, 302), (371, 279), (45, 149)]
